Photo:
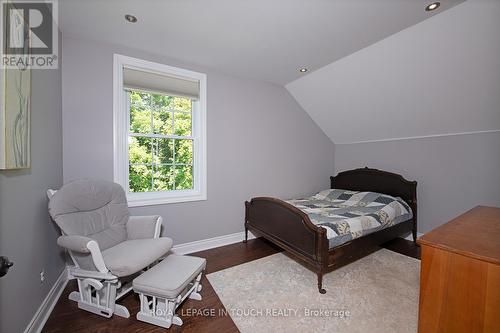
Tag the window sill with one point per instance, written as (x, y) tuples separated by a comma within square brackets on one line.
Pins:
[(151, 199)]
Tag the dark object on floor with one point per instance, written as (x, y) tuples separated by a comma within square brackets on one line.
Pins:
[(5, 264)]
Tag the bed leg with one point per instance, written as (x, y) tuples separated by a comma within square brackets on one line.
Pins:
[(414, 234), (320, 283), (246, 235)]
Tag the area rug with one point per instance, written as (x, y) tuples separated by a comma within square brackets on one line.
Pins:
[(378, 293)]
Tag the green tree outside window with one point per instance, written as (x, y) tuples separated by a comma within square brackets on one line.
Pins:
[(160, 145)]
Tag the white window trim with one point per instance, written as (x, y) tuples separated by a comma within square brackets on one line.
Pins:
[(121, 132)]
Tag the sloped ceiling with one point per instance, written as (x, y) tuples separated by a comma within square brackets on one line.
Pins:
[(262, 39), (440, 76)]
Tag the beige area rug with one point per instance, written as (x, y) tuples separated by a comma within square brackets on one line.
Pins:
[(378, 293)]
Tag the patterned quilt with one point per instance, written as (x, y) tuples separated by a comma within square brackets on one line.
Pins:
[(347, 215)]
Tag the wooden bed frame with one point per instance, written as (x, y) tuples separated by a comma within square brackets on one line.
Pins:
[(291, 229)]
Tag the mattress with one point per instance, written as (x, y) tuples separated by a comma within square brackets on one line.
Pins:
[(347, 215)]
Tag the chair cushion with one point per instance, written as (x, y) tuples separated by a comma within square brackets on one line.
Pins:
[(131, 256), (169, 277), (92, 208)]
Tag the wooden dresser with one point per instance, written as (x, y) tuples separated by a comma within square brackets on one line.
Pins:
[(460, 274)]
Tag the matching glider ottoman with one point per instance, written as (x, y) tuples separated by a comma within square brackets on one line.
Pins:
[(165, 286)]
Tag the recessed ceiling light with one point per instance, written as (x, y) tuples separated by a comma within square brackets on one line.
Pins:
[(432, 6), (303, 70), (130, 18)]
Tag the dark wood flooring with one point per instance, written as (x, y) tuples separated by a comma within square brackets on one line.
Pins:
[(66, 317)]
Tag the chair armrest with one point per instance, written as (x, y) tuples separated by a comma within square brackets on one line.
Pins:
[(74, 243), (78, 272), (83, 244), (141, 227)]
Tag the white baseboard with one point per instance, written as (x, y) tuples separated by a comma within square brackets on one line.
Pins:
[(410, 237), (210, 243), (45, 309)]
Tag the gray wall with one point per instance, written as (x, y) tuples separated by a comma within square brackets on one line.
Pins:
[(439, 76), (260, 142), (27, 235), (454, 173)]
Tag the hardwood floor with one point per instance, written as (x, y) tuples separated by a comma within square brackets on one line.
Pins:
[(403, 246), (67, 317)]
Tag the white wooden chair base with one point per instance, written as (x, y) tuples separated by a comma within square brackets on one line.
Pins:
[(99, 297), (158, 310), (120, 310), (161, 311)]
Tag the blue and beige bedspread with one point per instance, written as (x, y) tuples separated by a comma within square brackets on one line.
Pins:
[(347, 215)]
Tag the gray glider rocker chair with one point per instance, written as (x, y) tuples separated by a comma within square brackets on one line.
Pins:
[(108, 247)]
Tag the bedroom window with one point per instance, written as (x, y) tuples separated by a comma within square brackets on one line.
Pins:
[(160, 126)]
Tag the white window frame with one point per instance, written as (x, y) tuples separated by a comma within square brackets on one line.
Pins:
[(121, 133)]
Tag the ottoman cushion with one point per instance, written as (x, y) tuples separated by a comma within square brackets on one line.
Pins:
[(168, 278)]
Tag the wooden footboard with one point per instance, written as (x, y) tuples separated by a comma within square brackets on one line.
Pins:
[(288, 227)]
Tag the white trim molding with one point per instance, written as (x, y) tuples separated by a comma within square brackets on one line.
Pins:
[(210, 243), (417, 137), (121, 133), (42, 314)]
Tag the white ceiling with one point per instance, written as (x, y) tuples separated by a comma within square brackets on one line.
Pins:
[(441, 76), (262, 39)]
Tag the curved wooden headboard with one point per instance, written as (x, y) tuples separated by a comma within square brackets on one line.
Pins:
[(374, 180)]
